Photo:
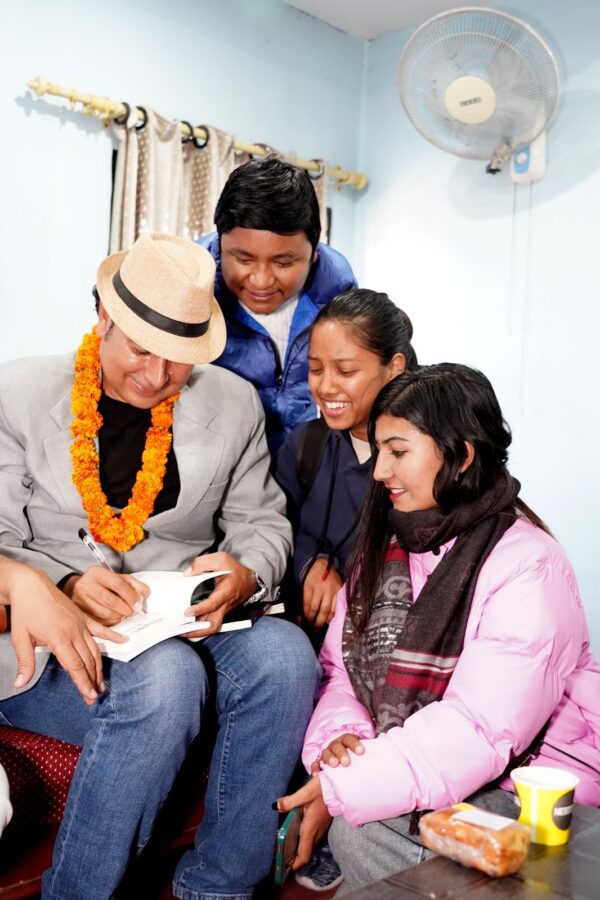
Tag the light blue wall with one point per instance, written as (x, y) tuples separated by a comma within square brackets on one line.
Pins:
[(514, 296), (256, 68), (436, 232)]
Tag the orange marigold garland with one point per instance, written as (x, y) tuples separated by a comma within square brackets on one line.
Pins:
[(125, 531)]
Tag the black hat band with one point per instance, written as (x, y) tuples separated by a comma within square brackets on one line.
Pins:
[(163, 323)]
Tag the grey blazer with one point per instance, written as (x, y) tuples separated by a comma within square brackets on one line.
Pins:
[(223, 461)]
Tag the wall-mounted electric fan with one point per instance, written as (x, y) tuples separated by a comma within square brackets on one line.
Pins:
[(481, 84)]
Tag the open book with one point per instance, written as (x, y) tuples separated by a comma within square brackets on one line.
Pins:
[(171, 593)]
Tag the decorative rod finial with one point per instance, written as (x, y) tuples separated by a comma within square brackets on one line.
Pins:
[(359, 181), (38, 85)]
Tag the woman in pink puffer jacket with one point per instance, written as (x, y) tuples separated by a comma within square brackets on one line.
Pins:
[(459, 647)]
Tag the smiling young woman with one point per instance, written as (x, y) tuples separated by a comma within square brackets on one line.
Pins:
[(345, 376), (459, 647), (358, 343)]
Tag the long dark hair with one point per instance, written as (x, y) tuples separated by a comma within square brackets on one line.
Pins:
[(375, 321), (453, 404)]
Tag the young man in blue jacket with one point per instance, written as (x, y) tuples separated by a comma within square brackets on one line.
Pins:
[(273, 277)]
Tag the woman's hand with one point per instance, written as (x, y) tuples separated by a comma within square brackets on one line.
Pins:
[(315, 821), (337, 751), (319, 593)]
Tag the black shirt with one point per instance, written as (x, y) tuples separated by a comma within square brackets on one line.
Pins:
[(121, 442)]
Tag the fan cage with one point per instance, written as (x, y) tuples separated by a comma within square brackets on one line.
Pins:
[(503, 50)]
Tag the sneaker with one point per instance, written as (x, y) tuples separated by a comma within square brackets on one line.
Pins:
[(321, 873)]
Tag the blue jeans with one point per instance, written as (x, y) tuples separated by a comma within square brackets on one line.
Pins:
[(266, 683), (135, 739)]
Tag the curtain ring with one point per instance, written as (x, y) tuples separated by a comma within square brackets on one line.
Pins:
[(314, 176), (122, 120), (187, 138), (139, 126), (201, 144)]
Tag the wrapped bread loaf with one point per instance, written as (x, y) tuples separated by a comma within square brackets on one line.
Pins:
[(494, 844)]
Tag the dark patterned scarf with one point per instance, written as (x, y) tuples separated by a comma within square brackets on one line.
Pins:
[(407, 653)]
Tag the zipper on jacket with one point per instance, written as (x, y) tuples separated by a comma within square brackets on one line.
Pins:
[(278, 365), (278, 362)]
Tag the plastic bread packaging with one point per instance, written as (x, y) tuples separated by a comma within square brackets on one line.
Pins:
[(474, 837)]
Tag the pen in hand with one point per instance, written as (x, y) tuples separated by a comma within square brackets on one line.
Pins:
[(89, 542), (327, 569)]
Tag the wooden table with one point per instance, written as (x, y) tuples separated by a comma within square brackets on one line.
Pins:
[(571, 871)]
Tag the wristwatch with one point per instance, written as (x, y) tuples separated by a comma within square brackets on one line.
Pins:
[(260, 594)]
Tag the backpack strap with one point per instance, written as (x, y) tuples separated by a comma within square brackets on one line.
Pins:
[(310, 452)]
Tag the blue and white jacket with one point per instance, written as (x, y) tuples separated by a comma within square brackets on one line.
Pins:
[(251, 353)]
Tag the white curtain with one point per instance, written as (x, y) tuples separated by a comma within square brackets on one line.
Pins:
[(148, 186), (163, 183), (205, 170), (320, 185)]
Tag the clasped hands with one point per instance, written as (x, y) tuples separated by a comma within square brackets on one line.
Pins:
[(110, 597), (316, 818)]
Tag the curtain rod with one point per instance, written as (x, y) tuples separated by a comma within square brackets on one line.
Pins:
[(105, 108)]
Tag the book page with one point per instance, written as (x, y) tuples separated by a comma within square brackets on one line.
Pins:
[(163, 616), (171, 592)]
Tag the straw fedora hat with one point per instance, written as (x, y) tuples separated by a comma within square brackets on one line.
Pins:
[(161, 295)]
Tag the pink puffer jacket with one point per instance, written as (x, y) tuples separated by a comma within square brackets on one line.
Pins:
[(526, 657)]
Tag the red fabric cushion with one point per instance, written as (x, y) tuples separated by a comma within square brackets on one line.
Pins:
[(39, 772)]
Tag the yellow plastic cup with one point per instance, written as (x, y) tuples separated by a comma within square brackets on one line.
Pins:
[(546, 797)]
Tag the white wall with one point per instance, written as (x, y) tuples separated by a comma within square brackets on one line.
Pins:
[(436, 232), (259, 69)]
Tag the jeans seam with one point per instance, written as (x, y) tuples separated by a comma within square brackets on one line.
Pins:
[(75, 799), (219, 792), (239, 686), (226, 742), (223, 764)]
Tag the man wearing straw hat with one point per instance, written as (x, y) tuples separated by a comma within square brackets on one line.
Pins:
[(166, 465)]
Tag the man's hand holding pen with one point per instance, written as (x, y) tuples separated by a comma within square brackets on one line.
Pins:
[(105, 595)]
